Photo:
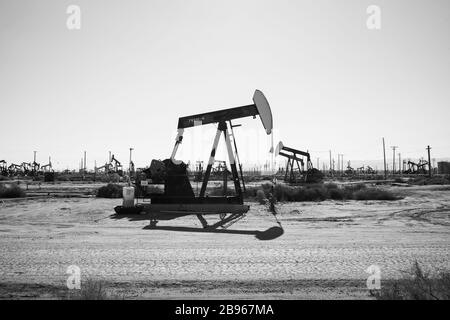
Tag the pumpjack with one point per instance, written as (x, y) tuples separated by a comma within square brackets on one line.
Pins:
[(295, 157), (35, 167), (113, 166), (370, 170), (178, 197), (15, 169), (415, 168), (26, 168), (47, 167), (116, 165), (3, 168), (350, 170)]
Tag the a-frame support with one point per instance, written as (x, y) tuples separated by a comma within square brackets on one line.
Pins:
[(222, 128)]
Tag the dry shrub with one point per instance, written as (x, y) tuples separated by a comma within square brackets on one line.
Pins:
[(90, 290), (434, 180), (11, 191), (218, 192), (319, 192), (375, 194), (110, 191), (261, 197), (110, 177), (417, 286)]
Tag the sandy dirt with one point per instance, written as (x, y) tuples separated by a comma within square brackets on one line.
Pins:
[(321, 251)]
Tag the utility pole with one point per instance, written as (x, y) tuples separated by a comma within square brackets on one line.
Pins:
[(399, 163), (109, 161), (84, 167), (339, 164), (34, 157), (393, 159), (429, 161), (129, 168), (384, 155), (331, 174)]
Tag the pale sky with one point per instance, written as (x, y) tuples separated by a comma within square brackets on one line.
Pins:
[(134, 67)]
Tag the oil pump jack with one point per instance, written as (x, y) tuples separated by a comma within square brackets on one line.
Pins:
[(416, 168), (116, 165), (178, 197), (295, 157), (3, 168), (113, 166), (14, 169), (47, 167), (26, 168)]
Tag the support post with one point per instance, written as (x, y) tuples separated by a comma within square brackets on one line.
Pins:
[(384, 156)]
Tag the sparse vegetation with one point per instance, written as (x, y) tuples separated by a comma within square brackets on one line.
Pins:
[(90, 290), (419, 285), (11, 191), (320, 192), (111, 190), (434, 180), (218, 191), (374, 194), (261, 197)]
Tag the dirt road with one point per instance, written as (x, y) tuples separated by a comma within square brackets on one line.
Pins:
[(322, 249)]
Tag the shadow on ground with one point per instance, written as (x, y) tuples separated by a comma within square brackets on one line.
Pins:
[(269, 234)]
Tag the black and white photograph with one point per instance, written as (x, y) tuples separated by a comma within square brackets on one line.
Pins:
[(230, 151)]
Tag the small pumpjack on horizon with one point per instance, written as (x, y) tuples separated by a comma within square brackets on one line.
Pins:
[(178, 197), (294, 156)]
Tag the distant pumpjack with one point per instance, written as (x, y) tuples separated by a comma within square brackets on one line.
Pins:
[(350, 170), (113, 166), (3, 168), (47, 167), (26, 168), (117, 165), (15, 169), (295, 156), (416, 168), (370, 170)]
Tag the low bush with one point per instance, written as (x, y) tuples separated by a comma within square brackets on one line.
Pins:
[(62, 178), (110, 191), (418, 285), (90, 290), (319, 192), (374, 194), (11, 191), (434, 180), (261, 197)]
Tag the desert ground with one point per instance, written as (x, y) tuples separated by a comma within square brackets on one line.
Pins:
[(310, 250)]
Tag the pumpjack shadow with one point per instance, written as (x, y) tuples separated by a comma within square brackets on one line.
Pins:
[(219, 227)]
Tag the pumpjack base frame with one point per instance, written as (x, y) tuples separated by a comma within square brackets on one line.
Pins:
[(186, 206)]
